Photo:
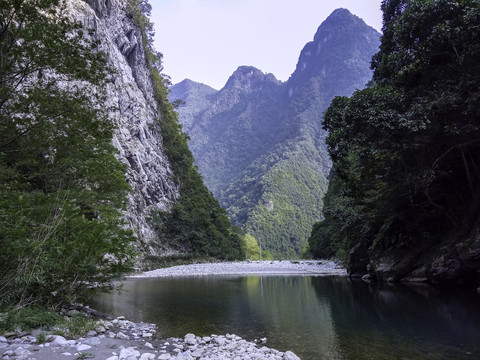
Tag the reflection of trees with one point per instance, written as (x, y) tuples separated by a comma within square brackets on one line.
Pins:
[(377, 319)]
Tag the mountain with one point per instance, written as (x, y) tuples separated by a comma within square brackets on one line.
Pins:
[(258, 142)]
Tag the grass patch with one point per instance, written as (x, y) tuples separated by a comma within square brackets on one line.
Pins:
[(75, 326), (27, 319)]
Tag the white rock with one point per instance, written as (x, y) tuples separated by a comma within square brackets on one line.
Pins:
[(113, 358), (150, 346), (197, 353), (147, 356), (58, 340), (3, 339), (100, 329), (190, 339), (93, 341), (120, 335), (290, 356), (164, 357), (83, 347), (67, 354), (21, 353), (128, 353)]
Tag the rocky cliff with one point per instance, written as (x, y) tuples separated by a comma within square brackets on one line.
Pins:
[(134, 113)]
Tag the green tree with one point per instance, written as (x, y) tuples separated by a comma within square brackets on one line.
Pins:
[(252, 249), (61, 187), (405, 151)]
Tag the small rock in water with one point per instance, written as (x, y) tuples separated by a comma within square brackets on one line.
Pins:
[(290, 356)]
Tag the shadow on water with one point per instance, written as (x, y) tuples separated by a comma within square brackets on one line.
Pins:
[(316, 317), (394, 321)]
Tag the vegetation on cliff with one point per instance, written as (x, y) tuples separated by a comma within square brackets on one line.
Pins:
[(196, 224), (406, 170), (62, 188)]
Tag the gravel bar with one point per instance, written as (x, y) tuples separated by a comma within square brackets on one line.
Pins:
[(284, 267)]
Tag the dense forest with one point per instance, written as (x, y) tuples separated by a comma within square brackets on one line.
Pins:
[(404, 194), (63, 189)]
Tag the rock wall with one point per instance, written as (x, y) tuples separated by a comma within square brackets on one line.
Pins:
[(130, 94), (454, 261)]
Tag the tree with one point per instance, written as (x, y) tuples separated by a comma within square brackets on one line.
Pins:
[(62, 188), (405, 150)]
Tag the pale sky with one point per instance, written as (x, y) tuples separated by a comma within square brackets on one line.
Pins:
[(207, 40)]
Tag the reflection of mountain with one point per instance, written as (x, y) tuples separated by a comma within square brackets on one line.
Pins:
[(409, 322)]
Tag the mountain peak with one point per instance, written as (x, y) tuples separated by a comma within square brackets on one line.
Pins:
[(189, 85), (249, 78), (341, 47)]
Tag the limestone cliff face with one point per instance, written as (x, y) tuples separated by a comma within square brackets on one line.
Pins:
[(130, 93)]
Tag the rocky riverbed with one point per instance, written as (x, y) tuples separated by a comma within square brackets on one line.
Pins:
[(120, 339), (284, 267)]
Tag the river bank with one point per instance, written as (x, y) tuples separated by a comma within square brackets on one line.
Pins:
[(120, 339), (277, 267)]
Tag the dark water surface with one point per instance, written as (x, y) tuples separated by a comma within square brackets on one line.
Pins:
[(315, 317)]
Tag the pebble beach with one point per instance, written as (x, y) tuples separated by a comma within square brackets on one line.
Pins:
[(277, 267)]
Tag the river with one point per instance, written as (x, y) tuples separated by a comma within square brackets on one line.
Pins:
[(316, 317)]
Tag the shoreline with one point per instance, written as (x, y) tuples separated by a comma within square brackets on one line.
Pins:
[(266, 267), (120, 339)]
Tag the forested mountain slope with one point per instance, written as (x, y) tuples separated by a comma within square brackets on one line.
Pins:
[(258, 142)]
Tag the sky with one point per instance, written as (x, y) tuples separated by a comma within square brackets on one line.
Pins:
[(207, 40)]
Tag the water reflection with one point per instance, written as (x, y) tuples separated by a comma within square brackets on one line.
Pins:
[(392, 321), (316, 317)]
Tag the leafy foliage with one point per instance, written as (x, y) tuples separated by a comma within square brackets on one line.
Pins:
[(196, 223), (405, 151), (62, 187)]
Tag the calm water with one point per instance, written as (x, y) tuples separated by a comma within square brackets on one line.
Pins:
[(315, 317)]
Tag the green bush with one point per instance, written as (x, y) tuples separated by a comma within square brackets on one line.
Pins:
[(62, 189)]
